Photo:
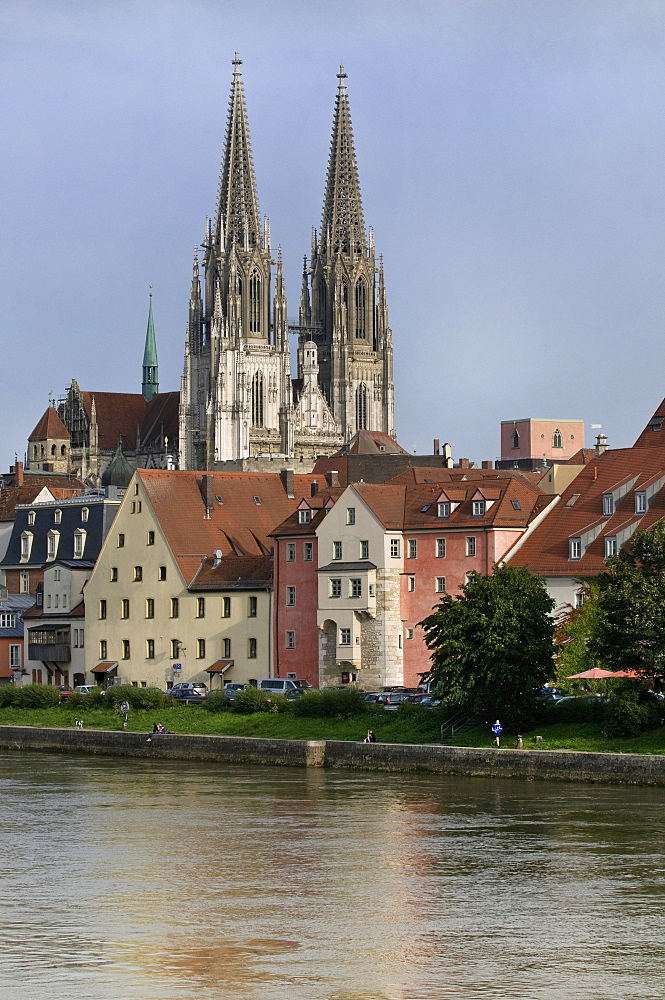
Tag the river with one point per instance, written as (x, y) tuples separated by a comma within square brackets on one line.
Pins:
[(152, 880)]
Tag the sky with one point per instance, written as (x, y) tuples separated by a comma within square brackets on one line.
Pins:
[(511, 156)]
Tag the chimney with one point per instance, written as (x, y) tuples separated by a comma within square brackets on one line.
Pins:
[(436, 446), (332, 477), (207, 493), (447, 456), (18, 474), (601, 444), (464, 463), (288, 482), (314, 489)]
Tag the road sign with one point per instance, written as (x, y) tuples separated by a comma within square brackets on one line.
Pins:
[(177, 666)]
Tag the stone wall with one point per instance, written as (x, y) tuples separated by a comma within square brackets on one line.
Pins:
[(551, 765)]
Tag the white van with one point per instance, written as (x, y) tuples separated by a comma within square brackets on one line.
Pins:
[(277, 685)]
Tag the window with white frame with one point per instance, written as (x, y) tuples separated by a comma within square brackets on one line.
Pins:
[(440, 548), (252, 606), (175, 607), (443, 508), (290, 551), (345, 637), (290, 597), (57, 517), (580, 598), (640, 503), (26, 545), (103, 648), (138, 574), (226, 648), (440, 586), (101, 613), (409, 633), (24, 582), (251, 649), (412, 551), (337, 550), (608, 504), (471, 545), (304, 516), (52, 540), (478, 508), (200, 607), (610, 546), (336, 586), (7, 619), (126, 649), (364, 549), (15, 657), (290, 639), (410, 584), (350, 515), (79, 543), (574, 548), (150, 607), (355, 587), (200, 649), (394, 548), (150, 649), (31, 516), (85, 513), (124, 608), (308, 551)]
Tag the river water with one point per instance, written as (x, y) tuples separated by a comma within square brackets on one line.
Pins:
[(147, 880)]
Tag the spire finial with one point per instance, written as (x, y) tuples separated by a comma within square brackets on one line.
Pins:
[(237, 63), (150, 292), (341, 76)]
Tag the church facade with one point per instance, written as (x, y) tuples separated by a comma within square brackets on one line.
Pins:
[(238, 396)]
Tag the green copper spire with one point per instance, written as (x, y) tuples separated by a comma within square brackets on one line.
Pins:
[(150, 368)]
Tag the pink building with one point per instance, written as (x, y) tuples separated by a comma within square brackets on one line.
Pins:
[(541, 441)]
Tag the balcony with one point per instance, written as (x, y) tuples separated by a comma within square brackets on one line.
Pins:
[(58, 652)]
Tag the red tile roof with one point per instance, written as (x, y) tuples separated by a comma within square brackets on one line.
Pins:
[(50, 426), (12, 496), (653, 435)]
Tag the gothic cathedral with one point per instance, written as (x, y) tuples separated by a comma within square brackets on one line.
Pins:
[(238, 398)]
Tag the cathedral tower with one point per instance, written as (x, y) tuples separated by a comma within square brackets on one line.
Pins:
[(344, 310), (235, 394)]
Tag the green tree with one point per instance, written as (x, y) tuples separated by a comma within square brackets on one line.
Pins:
[(492, 645), (572, 638), (629, 630)]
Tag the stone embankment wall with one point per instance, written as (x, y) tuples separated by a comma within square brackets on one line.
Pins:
[(557, 765)]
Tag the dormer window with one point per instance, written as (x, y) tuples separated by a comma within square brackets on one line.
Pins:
[(57, 516), (26, 545), (31, 516), (640, 503), (610, 546), (304, 516), (478, 508), (608, 504), (79, 543), (84, 514), (443, 509), (574, 548), (52, 540)]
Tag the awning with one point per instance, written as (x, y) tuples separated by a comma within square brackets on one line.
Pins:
[(219, 667), (105, 667)]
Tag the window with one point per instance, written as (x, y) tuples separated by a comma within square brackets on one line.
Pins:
[(610, 546), (149, 607), (258, 396), (478, 508), (125, 649), (151, 538), (255, 304), (56, 575), (640, 503), (121, 541), (114, 574), (337, 550), (411, 584), (516, 439), (102, 610), (440, 586), (515, 504), (360, 294), (409, 633), (251, 649), (150, 649), (26, 545), (557, 441), (394, 548), (413, 548), (290, 640), (161, 573), (290, 551), (57, 517), (136, 489), (200, 649), (138, 574), (124, 608), (371, 590), (7, 619), (226, 607), (48, 600), (31, 517), (25, 582), (136, 506), (226, 646), (79, 543), (15, 657), (102, 649), (443, 509), (608, 504), (251, 604), (52, 539), (57, 600), (355, 587), (336, 587), (290, 597), (471, 545), (361, 407), (304, 516), (574, 548), (580, 597), (84, 513), (399, 641), (200, 607), (441, 548), (175, 607), (175, 649), (350, 515), (308, 551), (364, 550), (345, 637)]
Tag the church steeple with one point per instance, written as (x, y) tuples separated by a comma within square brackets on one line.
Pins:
[(150, 368), (238, 220), (343, 224)]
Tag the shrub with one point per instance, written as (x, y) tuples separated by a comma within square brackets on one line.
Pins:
[(216, 702), (95, 699), (251, 700), (7, 694), (140, 699), (36, 696), (632, 713), (577, 710), (332, 704)]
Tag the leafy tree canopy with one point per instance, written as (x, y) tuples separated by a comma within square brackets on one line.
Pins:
[(629, 628), (492, 644)]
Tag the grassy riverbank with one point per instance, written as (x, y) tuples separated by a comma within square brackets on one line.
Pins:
[(390, 727)]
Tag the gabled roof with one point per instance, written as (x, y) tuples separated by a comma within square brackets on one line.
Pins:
[(372, 443), (234, 573), (653, 435), (546, 551), (121, 414), (50, 426), (12, 496)]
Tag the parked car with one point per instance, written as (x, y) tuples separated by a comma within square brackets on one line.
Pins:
[(392, 699), (552, 693), (230, 690), (191, 686), (372, 697), (86, 688), (425, 700), (186, 694), (65, 691), (277, 685)]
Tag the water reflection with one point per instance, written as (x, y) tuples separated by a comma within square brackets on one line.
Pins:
[(161, 880)]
